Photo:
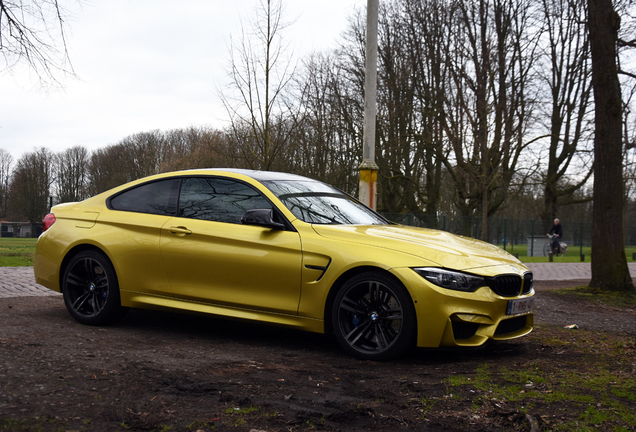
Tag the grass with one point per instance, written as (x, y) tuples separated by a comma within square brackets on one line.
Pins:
[(16, 252), (592, 384), (572, 256), (597, 296)]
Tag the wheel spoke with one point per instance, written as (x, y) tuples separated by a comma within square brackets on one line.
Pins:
[(101, 281), (391, 314), (380, 337), (96, 304), (87, 267), (356, 333), (352, 306), (81, 300), (374, 292), (74, 279), (386, 296)]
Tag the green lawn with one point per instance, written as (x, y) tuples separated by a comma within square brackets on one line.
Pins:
[(573, 254), (16, 252)]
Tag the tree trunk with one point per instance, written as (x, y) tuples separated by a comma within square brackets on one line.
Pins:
[(609, 264)]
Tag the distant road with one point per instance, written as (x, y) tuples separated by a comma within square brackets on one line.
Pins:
[(567, 271)]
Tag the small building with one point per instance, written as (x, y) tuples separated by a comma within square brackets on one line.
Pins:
[(20, 229)]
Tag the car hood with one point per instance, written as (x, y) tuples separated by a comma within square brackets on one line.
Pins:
[(444, 249)]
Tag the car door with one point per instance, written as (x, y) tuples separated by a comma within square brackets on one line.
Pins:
[(210, 256), (131, 231)]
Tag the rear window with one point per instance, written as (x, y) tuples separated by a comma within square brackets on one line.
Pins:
[(159, 197)]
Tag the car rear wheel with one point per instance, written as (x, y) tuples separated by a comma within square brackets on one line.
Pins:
[(91, 290), (374, 318)]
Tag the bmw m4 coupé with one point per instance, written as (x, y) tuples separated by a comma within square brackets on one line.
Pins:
[(280, 249)]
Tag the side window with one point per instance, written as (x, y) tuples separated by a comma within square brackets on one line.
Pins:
[(219, 200), (158, 197)]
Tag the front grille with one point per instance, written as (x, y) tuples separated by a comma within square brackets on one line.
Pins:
[(528, 283), (464, 330), (506, 285), (511, 325)]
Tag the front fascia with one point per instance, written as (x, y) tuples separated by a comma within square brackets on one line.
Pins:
[(437, 307)]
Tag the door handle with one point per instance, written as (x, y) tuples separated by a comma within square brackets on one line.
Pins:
[(180, 231)]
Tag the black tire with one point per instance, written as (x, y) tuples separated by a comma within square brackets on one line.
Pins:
[(91, 290), (373, 317)]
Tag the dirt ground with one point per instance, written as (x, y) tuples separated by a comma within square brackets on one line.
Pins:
[(173, 372)]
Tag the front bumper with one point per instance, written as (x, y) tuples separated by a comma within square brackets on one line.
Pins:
[(447, 318)]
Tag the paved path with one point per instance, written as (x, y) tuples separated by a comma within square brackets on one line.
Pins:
[(567, 271), (20, 282)]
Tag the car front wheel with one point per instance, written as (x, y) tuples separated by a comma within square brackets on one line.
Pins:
[(374, 318), (91, 290)]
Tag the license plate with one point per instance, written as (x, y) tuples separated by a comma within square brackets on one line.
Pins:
[(520, 306)]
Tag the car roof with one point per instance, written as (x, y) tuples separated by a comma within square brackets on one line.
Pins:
[(260, 175)]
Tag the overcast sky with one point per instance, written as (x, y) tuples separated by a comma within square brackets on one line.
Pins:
[(145, 65)]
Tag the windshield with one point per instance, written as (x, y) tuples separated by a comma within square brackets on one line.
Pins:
[(319, 203)]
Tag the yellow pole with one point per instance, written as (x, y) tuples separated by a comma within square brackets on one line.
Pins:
[(368, 187)]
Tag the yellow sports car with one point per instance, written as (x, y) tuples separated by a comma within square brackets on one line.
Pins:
[(281, 249)]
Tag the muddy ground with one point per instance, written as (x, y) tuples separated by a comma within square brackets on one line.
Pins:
[(173, 372)]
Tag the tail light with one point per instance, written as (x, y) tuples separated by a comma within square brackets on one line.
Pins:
[(48, 221)]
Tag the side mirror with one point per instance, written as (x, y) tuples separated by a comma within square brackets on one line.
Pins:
[(261, 217)]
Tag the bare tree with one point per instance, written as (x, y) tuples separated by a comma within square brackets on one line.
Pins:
[(317, 135), (71, 174), (30, 185), (260, 77), (134, 157), (609, 263), (488, 109), (398, 154), (6, 163), (329, 131), (412, 77), (198, 148), (33, 32), (566, 71), (428, 24)]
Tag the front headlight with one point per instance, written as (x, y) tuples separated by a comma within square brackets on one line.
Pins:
[(451, 279)]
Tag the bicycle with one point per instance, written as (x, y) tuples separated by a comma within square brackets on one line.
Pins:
[(547, 247)]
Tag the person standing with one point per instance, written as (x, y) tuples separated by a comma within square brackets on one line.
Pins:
[(557, 229)]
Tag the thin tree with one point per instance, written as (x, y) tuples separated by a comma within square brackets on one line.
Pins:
[(609, 263), (71, 174), (6, 162), (33, 32), (567, 75), (31, 184), (488, 109), (260, 76)]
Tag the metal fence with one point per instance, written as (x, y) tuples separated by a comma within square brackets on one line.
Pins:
[(512, 233)]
